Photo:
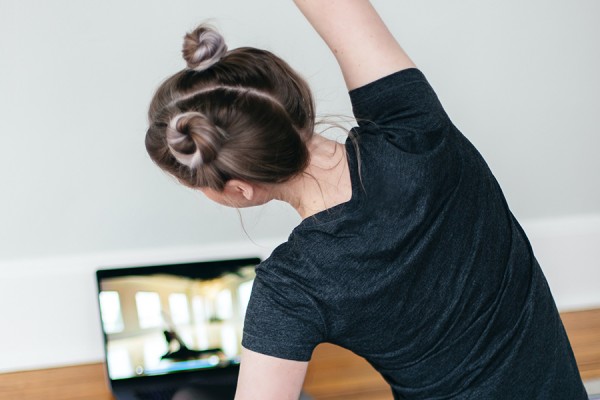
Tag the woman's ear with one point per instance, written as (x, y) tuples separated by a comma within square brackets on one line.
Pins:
[(239, 190)]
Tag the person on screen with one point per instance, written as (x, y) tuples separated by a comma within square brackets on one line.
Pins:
[(177, 350), (407, 253)]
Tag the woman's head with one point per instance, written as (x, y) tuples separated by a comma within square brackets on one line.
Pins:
[(242, 114)]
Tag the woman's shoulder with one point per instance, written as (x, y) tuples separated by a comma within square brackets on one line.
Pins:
[(403, 108), (400, 96), (387, 82)]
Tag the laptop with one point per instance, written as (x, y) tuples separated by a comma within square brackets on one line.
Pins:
[(174, 331)]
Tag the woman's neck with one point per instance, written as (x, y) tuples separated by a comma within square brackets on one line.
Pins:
[(326, 181)]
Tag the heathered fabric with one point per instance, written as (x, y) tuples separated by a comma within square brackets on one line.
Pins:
[(424, 272)]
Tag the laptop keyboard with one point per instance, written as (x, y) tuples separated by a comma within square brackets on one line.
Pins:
[(160, 394)]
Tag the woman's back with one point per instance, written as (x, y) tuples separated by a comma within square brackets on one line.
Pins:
[(424, 272)]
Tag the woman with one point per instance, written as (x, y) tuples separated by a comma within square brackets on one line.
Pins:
[(407, 253)]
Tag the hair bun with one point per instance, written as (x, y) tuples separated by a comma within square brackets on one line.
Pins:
[(203, 47), (193, 139)]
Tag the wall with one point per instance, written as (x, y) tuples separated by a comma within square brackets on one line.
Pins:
[(78, 191)]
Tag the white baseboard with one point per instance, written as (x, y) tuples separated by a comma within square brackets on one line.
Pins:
[(49, 308), (568, 250)]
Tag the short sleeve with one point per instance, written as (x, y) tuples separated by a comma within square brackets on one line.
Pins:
[(281, 320), (404, 107)]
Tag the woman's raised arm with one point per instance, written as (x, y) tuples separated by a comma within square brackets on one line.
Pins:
[(363, 46)]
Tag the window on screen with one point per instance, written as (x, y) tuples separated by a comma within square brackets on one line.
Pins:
[(110, 308), (148, 309), (178, 304)]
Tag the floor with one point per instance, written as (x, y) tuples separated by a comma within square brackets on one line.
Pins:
[(334, 373)]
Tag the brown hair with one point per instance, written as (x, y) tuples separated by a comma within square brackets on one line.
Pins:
[(240, 114)]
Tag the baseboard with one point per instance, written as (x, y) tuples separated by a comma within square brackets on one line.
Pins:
[(52, 317), (568, 250)]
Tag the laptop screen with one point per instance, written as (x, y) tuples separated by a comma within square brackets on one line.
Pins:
[(167, 319)]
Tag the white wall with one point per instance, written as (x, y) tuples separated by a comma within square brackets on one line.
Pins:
[(78, 191)]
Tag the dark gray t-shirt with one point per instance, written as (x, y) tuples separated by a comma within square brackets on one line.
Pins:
[(424, 272)]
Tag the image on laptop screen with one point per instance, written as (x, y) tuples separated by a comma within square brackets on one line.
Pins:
[(172, 318)]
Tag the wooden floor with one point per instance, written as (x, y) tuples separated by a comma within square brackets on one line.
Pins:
[(333, 374), (583, 329)]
